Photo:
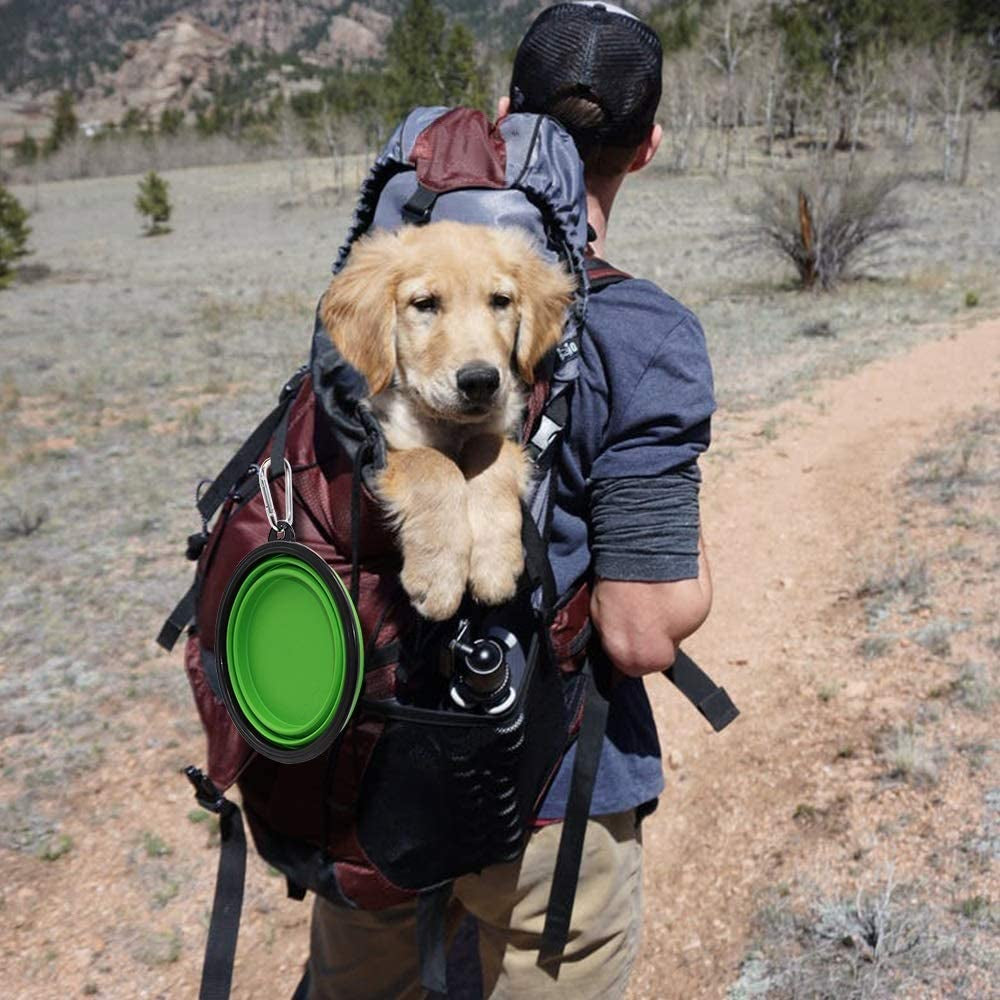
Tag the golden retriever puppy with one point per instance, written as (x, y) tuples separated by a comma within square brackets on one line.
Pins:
[(447, 323)]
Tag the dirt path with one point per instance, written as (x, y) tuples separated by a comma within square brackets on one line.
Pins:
[(794, 516), (795, 499)]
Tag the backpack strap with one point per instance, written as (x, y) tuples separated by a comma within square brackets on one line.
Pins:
[(714, 704), (224, 926), (432, 911), (581, 791), (711, 700), (273, 425), (600, 273)]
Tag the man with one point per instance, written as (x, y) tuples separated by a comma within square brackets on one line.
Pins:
[(626, 517)]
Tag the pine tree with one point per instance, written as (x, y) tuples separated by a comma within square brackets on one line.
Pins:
[(153, 202), (64, 122), (171, 120), (14, 233), (26, 150), (461, 74), (414, 58)]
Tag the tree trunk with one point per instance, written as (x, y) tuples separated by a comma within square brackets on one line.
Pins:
[(807, 266), (963, 175)]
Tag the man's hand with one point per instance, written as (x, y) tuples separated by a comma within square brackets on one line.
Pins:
[(641, 624)]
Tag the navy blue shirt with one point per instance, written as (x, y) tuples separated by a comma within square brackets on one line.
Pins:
[(641, 407)]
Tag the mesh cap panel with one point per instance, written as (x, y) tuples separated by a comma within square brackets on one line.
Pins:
[(594, 51)]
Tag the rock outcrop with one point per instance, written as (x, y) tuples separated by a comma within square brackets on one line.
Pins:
[(172, 69)]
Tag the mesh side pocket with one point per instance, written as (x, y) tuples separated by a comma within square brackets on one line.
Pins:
[(443, 800), (227, 751)]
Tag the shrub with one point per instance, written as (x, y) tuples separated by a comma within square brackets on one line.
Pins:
[(825, 222), (153, 202), (26, 151), (14, 233), (64, 125)]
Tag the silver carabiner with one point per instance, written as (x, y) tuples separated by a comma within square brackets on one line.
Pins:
[(265, 492)]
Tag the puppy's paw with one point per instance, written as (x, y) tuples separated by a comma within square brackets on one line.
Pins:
[(495, 568), (435, 591)]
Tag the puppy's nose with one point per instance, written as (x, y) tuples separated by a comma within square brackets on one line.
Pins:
[(477, 381)]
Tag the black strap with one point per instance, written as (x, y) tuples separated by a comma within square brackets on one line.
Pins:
[(536, 560), (432, 909), (235, 469), (356, 484), (278, 448), (581, 790), (179, 619), (417, 211), (209, 501), (711, 700), (224, 926)]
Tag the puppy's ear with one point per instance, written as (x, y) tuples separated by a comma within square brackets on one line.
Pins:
[(359, 309), (546, 291)]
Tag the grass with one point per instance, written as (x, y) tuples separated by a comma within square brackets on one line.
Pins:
[(155, 846), (904, 586), (910, 580), (876, 945), (908, 757), (22, 522), (827, 691), (935, 638), (10, 394), (975, 687), (874, 646), (978, 908), (56, 847), (966, 464), (156, 948)]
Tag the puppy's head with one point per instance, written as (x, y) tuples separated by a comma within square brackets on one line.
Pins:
[(451, 315)]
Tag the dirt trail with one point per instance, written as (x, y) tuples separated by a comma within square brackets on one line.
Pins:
[(790, 518), (795, 498)]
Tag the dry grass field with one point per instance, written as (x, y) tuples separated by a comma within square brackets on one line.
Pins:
[(841, 840)]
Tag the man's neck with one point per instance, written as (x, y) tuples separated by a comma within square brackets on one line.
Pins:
[(600, 197)]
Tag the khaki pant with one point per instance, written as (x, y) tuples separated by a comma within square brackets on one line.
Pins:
[(372, 955)]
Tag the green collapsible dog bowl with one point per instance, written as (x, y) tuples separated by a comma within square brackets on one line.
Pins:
[(291, 656)]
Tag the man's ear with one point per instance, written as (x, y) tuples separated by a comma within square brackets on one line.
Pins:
[(545, 292), (359, 310), (503, 108), (647, 149)]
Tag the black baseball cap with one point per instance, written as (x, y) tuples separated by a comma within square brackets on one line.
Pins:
[(597, 51)]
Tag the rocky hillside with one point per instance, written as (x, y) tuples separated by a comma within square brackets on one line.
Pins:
[(82, 44)]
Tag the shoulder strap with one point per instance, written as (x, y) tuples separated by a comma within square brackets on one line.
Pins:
[(210, 501), (600, 273), (224, 926)]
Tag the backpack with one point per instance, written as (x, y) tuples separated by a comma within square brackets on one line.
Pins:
[(415, 790)]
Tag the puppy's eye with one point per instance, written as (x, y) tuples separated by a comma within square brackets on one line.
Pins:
[(500, 301), (426, 304)]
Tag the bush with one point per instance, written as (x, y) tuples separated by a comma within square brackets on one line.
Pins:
[(825, 222), (13, 234), (153, 202)]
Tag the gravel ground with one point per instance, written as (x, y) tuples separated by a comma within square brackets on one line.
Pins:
[(133, 366)]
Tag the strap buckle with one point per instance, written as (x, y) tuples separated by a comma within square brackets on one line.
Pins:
[(417, 211), (209, 797)]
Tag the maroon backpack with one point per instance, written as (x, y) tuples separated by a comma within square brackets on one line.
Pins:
[(413, 793)]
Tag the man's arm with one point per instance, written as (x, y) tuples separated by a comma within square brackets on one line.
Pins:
[(641, 623)]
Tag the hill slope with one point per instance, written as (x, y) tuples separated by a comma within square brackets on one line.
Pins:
[(55, 43)]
